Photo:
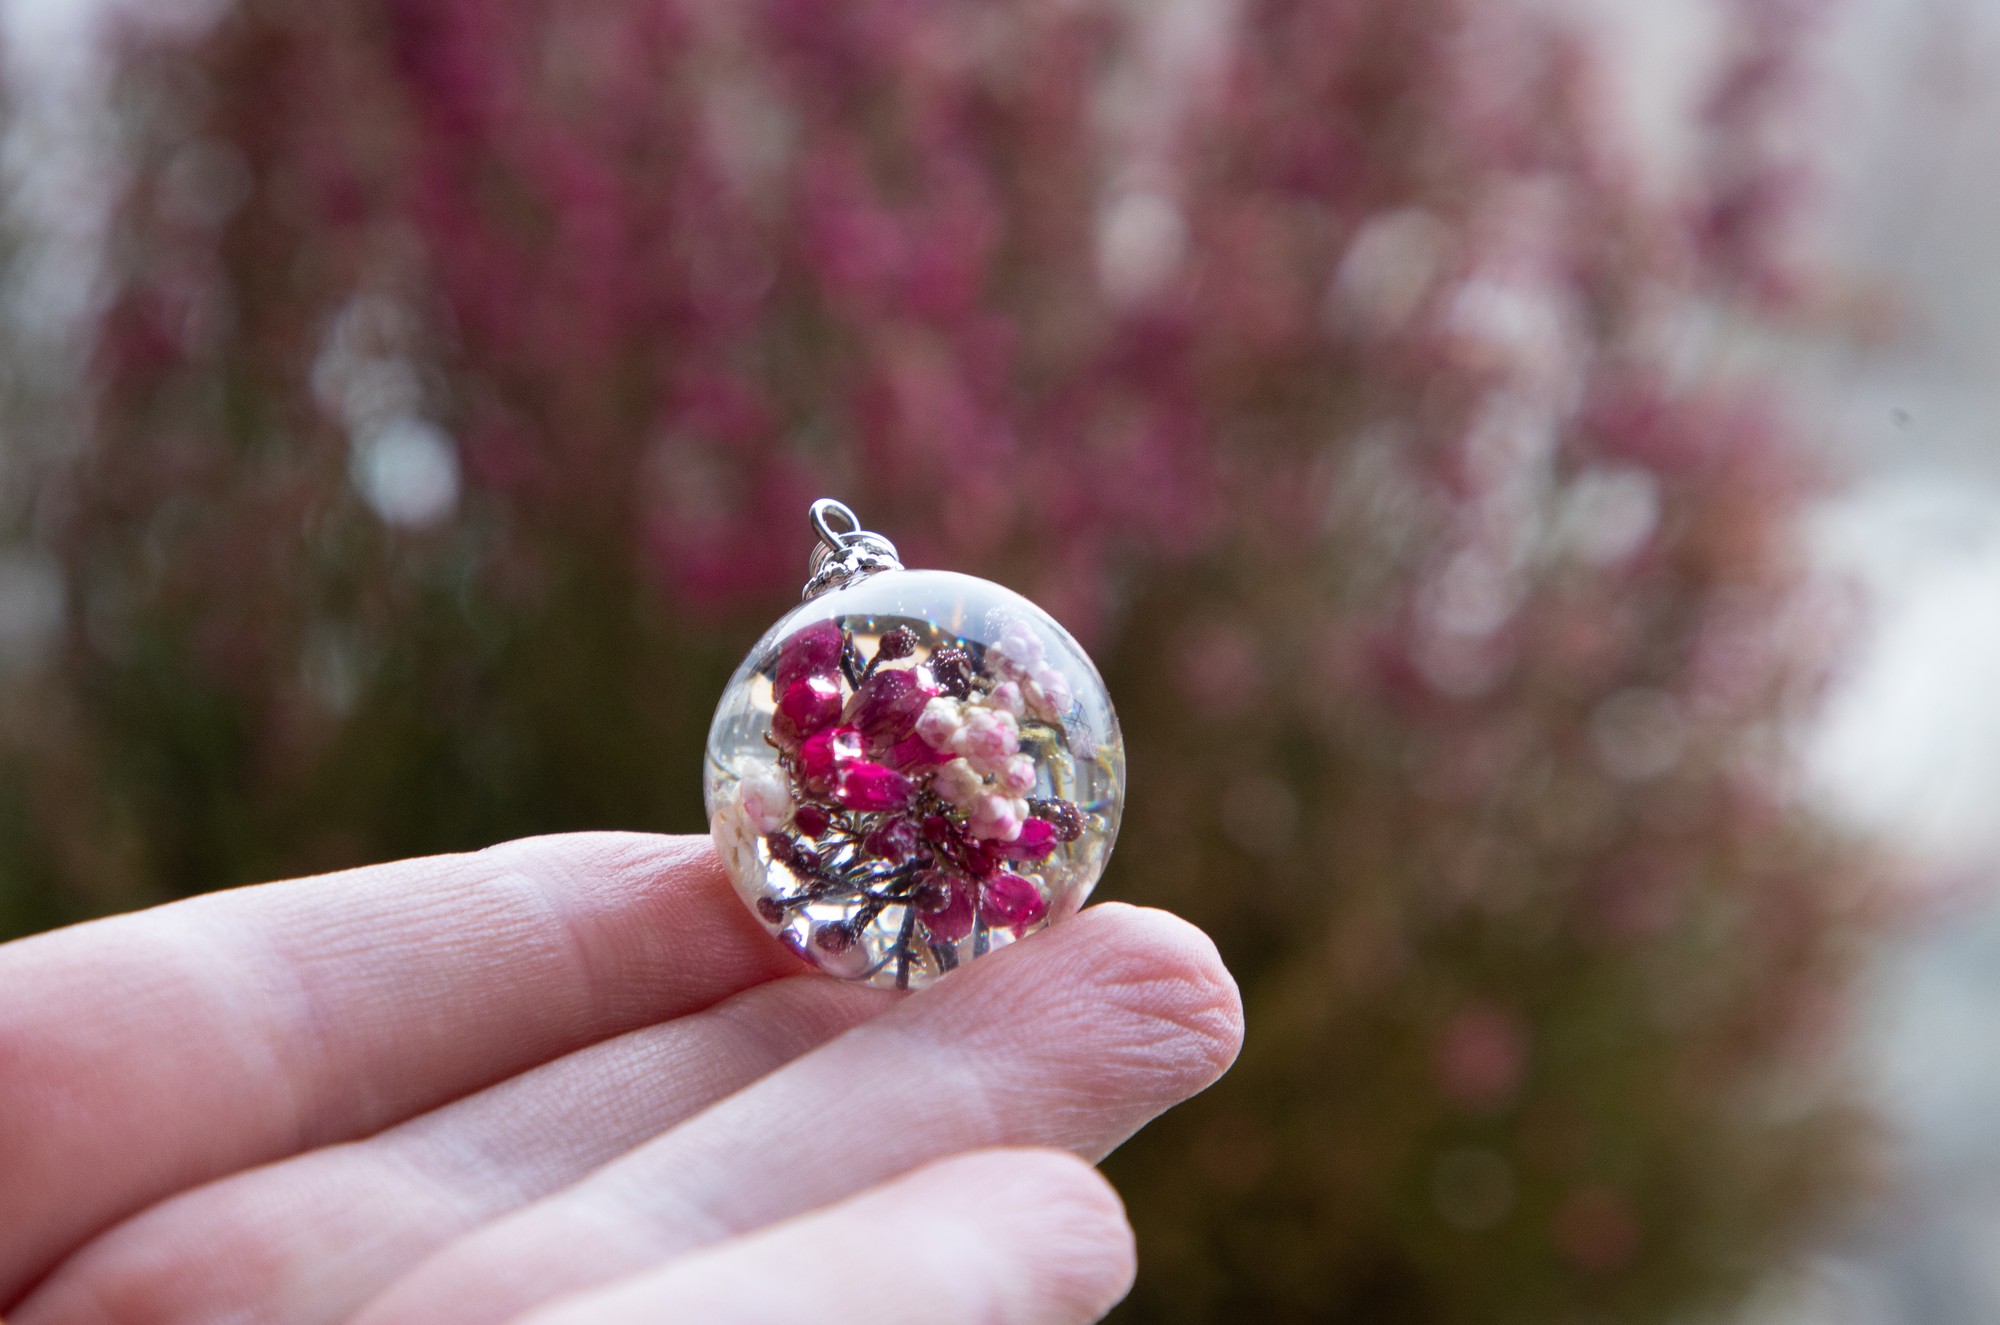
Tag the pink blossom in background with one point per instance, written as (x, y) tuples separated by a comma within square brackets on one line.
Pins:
[(1313, 360)]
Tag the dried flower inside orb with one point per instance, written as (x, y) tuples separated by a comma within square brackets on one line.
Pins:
[(912, 770)]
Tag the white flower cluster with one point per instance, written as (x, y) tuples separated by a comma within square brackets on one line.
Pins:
[(1020, 657), (989, 778), (758, 801), (767, 799), (736, 836)]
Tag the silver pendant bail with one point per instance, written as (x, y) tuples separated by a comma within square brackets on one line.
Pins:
[(845, 552)]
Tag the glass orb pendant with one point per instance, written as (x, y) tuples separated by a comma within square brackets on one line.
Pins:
[(911, 769)]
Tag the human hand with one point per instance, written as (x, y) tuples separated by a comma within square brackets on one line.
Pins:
[(568, 1080)]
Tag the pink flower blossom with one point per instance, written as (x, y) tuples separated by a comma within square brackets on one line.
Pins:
[(998, 818), (895, 841), (1009, 901), (1018, 648), (1017, 777), (958, 783), (823, 755), (869, 787), (946, 907), (1049, 695), (988, 738), (940, 721), (1481, 1058), (1037, 840), (886, 707), (807, 705), (914, 753), (813, 651), (767, 801), (1021, 656)]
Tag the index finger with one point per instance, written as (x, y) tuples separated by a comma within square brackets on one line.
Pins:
[(145, 1053)]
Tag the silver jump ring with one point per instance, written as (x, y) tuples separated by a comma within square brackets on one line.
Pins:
[(823, 512), (844, 555)]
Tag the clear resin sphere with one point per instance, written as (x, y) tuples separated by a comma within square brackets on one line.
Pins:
[(912, 771)]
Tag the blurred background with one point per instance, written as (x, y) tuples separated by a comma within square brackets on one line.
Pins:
[(1526, 468)]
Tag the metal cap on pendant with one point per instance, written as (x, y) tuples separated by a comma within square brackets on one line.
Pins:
[(845, 551)]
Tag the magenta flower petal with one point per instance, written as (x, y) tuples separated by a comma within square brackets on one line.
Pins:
[(868, 787), (915, 754), (977, 857), (807, 705), (1010, 901), (814, 651), (945, 906), (826, 753), (1038, 838), (894, 841), (886, 706)]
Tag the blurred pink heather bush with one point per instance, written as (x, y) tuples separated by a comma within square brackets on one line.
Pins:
[(1321, 362)]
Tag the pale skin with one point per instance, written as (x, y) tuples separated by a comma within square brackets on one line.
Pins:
[(570, 1081)]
